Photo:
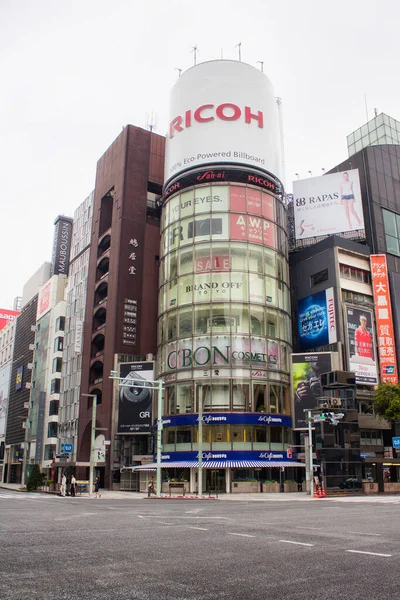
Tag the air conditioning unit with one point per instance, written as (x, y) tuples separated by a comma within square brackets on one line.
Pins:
[(28, 385), (27, 404), (149, 357), (23, 425), (33, 328), (29, 366), (221, 324), (31, 346), (336, 402)]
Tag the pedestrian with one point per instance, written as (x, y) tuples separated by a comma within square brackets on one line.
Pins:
[(150, 487), (63, 488), (97, 488), (73, 486)]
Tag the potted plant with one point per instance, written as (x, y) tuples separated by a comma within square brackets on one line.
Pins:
[(270, 487), (289, 485), (246, 485), (262, 408)]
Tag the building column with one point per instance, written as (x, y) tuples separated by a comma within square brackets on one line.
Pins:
[(192, 481), (228, 480)]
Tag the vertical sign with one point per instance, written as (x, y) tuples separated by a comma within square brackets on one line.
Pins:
[(384, 320)]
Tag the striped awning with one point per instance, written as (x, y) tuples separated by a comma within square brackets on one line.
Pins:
[(219, 464)]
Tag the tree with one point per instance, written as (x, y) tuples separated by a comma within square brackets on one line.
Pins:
[(36, 479), (387, 401)]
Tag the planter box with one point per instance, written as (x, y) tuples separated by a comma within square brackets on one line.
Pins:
[(245, 487), (270, 488), (290, 487), (166, 490), (369, 487), (391, 488)]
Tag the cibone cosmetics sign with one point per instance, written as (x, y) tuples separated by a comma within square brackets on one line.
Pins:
[(222, 112)]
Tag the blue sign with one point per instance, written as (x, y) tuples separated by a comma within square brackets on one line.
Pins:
[(225, 456), (228, 419), (388, 370), (66, 447), (317, 320), (396, 442)]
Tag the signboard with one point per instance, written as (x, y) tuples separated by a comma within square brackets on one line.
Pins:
[(44, 301), (228, 419), (384, 319), (317, 320), (396, 442), (222, 112), (6, 316), (78, 337), (361, 344), (328, 204), (135, 397), (306, 371), (61, 246), (66, 447), (225, 456), (19, 378)]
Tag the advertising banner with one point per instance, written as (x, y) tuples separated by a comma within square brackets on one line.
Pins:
[(384, 319), (135, 397), (228, 419), (361, 344), (19, 378), (61, 246), (327, 204), (317, 320), (306, 383), (44, 301), (222, 111), (6, 316)]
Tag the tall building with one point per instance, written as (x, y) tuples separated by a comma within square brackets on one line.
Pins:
[(379, 131), (7, 336), (121, 304), (224, 333), (75, 294)]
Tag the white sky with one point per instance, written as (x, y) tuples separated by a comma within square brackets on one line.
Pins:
[(73, 73)]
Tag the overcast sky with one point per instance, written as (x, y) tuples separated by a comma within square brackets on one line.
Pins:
[(73, 73)]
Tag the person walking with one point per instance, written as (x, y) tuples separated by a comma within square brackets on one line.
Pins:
[(73, 486), (63, 488), (151, 488), (97, 488)]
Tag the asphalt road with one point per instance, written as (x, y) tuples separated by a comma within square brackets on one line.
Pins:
[(66, 548)]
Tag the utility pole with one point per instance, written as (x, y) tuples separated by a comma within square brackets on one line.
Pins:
[(310, 449), (239, 45), (195, 50), (92, 439)]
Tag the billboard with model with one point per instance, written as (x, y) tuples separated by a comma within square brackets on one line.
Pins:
[(361, 344), (328, 204), (6, 316), (135, 397), (316, 320), (225, 112), (306, 370)]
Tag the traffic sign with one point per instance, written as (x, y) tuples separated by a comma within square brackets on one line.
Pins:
[(66, 447), (396, 442)]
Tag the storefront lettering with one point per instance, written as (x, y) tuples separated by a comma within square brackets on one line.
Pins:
[(204, 355), (205, 113)]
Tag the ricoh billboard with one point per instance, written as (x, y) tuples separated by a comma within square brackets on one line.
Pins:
[(317, 320), (222, 112), (327, 205)]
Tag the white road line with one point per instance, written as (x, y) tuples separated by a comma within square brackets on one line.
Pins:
[(242, 535), (164, 523), (370, 553), (194, 511), (297, 543), (316, 528), (199, 528), (363, 533)]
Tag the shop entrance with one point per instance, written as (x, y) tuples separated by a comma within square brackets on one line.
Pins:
[(215, 480)]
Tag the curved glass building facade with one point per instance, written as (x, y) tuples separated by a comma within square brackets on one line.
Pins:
[(224, 329)]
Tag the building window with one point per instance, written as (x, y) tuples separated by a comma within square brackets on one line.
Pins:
[(348, 295), (60, 324), (391, 224), (55, 386), (52, 430), (355, 274), (371, 438), (57, 365), (319, 277), (53, 408), (58, 344)]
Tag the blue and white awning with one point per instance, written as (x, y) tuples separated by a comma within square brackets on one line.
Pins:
[(219, 464)]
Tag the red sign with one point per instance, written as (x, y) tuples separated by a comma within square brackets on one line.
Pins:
[(384, 320), (252, 229), (258, 203), (214, 263), (6, 316)]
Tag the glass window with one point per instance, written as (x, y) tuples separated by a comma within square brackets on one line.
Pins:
[(184, 400), (58, 344), (391, 223), (60, 324), (185, 323), (184, 435), (239, 257), (260, 397), (241, 396), (274, 398), (57, 365), (171, 327), (201, 319), (55, 386)]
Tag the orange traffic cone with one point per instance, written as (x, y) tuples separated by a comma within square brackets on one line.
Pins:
[(323, 494), (316, 492), (319, 492)]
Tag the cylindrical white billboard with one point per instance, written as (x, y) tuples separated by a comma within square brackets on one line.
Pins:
[(222, 112)]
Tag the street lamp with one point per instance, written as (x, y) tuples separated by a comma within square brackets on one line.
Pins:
[(155, 385), (92, 439)]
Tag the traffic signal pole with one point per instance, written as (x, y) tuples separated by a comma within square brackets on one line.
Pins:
[(310, 450)]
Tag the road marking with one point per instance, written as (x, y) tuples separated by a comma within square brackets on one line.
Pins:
[(363, 533), (199, 528), (298, 543), (370, 553), (164, 523), (194, 511), (242, 535), (316, 528)]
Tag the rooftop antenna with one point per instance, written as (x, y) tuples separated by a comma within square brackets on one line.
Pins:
[(195, 50), (179, 71), (297, 175), (376, 112), (310, 173), (261, 62), (323, 170), (239, 45), (151, 122), (366, 107)]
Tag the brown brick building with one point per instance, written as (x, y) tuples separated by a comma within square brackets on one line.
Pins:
[(123, 273)]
